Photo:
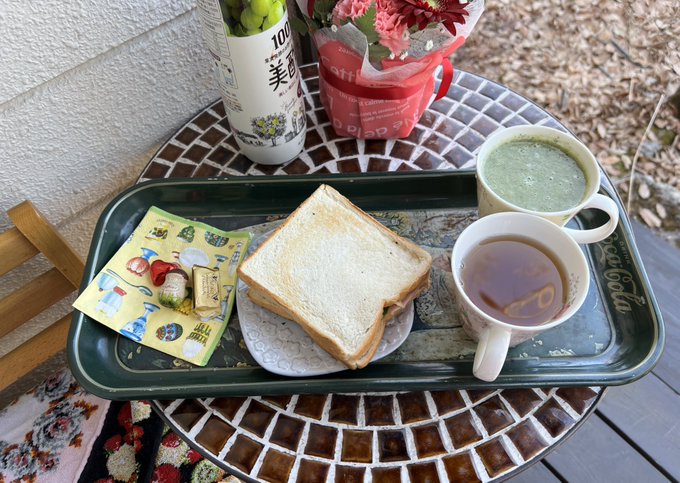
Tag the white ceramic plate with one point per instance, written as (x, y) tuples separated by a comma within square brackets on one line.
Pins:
[(283, 347)]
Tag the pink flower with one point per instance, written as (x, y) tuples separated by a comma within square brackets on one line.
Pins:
[(350, 9), (392, 31), (389, 24), (341, 11), (389, 6)]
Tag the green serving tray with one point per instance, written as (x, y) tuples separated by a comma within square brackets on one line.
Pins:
[(615, 338)]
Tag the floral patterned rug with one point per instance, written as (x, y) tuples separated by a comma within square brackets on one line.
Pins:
[(59, 433)]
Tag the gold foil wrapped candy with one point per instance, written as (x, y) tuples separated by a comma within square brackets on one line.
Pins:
[(206, 291)]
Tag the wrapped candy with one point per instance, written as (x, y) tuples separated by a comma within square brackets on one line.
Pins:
[(206, 291), (174, 289), (159, 269)]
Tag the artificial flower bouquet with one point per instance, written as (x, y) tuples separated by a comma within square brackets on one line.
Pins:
[(378, 59)]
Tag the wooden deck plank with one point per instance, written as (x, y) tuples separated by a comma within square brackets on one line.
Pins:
[(657, 253), (596, 453), (662, 264), (536, 473), (647, 412)]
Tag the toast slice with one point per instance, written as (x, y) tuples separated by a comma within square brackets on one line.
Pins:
[(264, 301), (338, 273)]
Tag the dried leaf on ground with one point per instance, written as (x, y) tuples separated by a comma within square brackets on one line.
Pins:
[(643, 191), (661, 210), (650, 218)]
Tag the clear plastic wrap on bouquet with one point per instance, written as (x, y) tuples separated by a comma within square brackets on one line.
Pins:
[(384, 101)]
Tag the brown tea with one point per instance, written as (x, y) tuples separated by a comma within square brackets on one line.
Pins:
[(515, 281)]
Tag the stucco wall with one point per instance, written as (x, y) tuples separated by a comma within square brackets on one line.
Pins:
[(88, 91)]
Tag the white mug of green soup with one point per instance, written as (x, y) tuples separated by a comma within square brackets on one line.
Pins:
[(515, 276), (545, 172)]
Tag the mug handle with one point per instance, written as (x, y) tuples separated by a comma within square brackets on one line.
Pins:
[(593, 235), (492, 349)]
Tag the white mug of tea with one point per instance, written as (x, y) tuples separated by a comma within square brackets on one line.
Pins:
[(515, 275), (545, 172)]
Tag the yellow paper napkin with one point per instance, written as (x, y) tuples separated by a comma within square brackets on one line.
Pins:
[(124, 298)]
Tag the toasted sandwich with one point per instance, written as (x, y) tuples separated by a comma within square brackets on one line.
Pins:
[(338, 273)]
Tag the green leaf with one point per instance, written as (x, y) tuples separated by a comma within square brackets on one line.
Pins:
[(322, 8), (299, 25), (377, 52), (366, 23)]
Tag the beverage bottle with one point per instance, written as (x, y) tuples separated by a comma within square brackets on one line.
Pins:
[(250, 42)]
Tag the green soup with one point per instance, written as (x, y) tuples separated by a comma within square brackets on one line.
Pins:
[(535, 175)]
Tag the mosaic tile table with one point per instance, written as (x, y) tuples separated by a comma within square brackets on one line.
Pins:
[(466, 435)]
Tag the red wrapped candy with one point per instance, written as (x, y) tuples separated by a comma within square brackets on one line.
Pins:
[(159, 269)]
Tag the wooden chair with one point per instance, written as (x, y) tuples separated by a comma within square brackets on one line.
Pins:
[(30, 235)]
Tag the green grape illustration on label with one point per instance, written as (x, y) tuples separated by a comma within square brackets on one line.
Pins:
[(251, 44), (244, 18)]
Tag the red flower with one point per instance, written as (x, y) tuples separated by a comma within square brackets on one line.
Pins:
[(171, 440), (113, 443), (166, 473), (105, 480), (135, 433), (424, 12), (137, 445), (193, 456), (125, 416)]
